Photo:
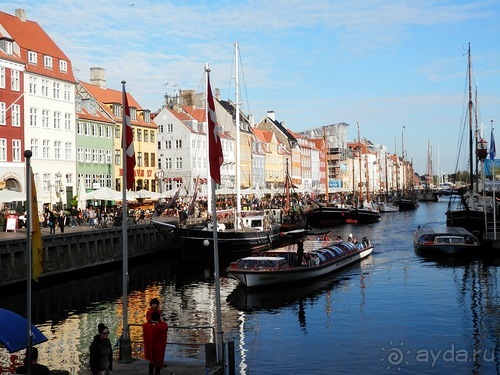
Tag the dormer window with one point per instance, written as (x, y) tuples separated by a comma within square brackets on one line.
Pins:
[(8, 47), (47, 61), (32, 57), (63, 66)]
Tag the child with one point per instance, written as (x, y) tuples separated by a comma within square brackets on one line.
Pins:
[(154, 307)]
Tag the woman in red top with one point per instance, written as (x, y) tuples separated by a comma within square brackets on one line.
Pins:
[(155, 342)]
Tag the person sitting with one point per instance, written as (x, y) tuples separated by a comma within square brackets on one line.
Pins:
[(36, 368)]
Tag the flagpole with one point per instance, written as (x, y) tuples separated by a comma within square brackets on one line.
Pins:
[(492, 156), (29, 212), (215, 161), (125, 343)]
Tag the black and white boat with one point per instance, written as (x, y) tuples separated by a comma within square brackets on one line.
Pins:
[(284, 266), (446, 240)]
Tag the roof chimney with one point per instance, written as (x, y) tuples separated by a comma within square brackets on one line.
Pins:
[(98, 77), (271, 115), (217, 93), (21, 14)]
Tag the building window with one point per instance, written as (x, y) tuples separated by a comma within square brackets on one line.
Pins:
[(2, 113), (170, 128), (139, 159), (108, 156), (16, 150), (46, 149), (86, 128), (67, 121), (45, 87), (8, 47), (56, 88), (118, 157), (102, 156), (2, 77), (152, 136), (178, 144), (117, 131), (95, 155), (67, 92), (160, 128), (63, 66), (88, 155), (33, 116), (153, 158), (45, 118), (34, 147), (168, 163), (32, 88), (168, 145), (47, 61), (14, 80), (178, 163), (146, 159), (109, 132), (139, 135), (57, 120), (146, 136), (80, 155), (32, 57), (79, 127), (3, 149), (16, 115), (57, 149), (68, 150)]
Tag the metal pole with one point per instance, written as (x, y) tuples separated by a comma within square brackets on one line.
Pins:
[(125, 343), (29, 261)]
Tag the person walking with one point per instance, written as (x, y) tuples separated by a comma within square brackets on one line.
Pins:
[(61, 220), (155, 341), (101, 352), (52, 222)]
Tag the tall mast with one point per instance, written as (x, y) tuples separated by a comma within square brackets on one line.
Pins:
[(360, 173), (325, 147), (238, 145), (471, 143)]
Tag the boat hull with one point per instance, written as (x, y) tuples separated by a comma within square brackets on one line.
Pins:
[(256, 278), (362, 216), (327, 217), (198, 242), (407, 204)]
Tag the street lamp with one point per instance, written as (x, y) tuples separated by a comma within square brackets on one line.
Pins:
[(59, 188)]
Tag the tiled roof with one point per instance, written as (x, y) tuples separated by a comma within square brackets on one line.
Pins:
[(110, 96), (86, 115), (31, 37)]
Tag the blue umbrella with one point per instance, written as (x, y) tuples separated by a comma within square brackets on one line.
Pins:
[(13, 331)]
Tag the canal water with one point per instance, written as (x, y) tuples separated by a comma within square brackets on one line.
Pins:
[(395, 312)]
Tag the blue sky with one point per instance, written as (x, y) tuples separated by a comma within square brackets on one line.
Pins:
[(384, 64)]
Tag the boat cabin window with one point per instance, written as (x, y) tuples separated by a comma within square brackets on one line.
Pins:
[(449, 239), (265, 263)]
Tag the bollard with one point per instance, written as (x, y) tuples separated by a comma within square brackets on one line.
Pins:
[(210, 354), (125, 351), (230, 358)]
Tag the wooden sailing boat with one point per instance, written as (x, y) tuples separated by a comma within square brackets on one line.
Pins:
[(472, 211), (327, 215), (363, 212), (249, 231)]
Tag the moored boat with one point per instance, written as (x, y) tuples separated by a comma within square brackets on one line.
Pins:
[(325, 216), (283, 265), (446, 240)]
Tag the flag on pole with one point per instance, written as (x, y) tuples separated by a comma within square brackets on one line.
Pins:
[(128, 143), (36, 234), (216, 158), (493, 149)]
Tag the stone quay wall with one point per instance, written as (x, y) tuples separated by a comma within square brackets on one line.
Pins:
[(75, 251)]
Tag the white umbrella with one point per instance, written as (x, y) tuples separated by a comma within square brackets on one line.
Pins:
[(104, 194), (7, 195), (170, 193), (146, 194), (82, 195)]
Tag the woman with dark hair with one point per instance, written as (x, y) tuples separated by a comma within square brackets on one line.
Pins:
[(101, 352)]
